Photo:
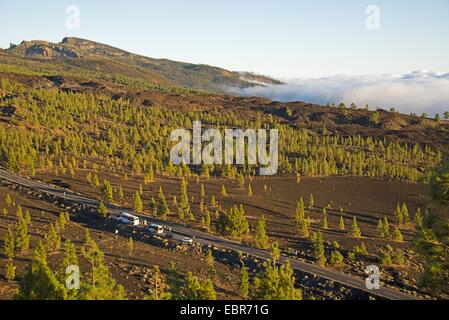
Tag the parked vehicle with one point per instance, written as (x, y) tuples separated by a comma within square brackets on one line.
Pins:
[(126, 218), (187, 240), (169, 236), (156, 229)]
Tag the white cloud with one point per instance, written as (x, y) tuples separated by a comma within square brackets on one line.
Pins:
[(418, 91)]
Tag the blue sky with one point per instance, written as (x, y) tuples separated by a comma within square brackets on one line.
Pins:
[(282, 38)]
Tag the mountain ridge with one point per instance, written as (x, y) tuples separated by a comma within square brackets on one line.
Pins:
[(90, 55)]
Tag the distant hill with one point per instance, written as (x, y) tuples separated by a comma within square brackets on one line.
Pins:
[(84, 58)]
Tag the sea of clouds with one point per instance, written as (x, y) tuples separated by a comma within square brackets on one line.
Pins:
[(418, 91)]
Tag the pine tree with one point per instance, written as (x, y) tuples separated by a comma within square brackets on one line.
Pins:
[(22, 236), (154, 207), (233, 223), (27, 217), (52, 239), (379, 227), (163, 206), (385, 258), (213, 201), (108, 192), (241, 179), (244, 282), (102, 210), (304, 227), (101, 285), (311, 202), (69, 258), (89, 178), (398, 215), (10, 272), (318, 249), (62, 222), (300, 212), (355, 230), (202, 192), (223, 191), (160, 291), (137, 203), (207, 220), (405, 213), (342, 226), (40, 283), (19, 212), (210, 262), (196, 289), (184, 206), (96, 181), (325, 225), (275, 252), (260, 237), (8, 200), (276, 284), (336, 258), (397, 235), (418, 219), (250, 190), (8, 245), (385, 233), (121, 194)]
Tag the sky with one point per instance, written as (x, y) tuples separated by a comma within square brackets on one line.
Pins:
[(282, 38), (286, 39)]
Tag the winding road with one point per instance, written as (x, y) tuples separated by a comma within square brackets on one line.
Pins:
[(207, 239)]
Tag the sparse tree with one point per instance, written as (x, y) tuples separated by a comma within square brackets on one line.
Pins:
[(398, 215), (52, 239), (27, 217), (102, 210), (341, 225), (8, 200), (210, 262), (137, 203), (311, 202), (244, 282), (250, 190), (418, 219), (336, 258), (223, 191), (397, 235), (260, 236), (276, 284), (375, 118), (121, 194), (446, 115), (325, 225), (196, 289), (318, 249), (107, 191), (355, 230), (8, 245), (22, 236), (405, 214), (10, 272)]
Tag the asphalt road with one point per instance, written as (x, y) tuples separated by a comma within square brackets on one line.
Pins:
[(207, 239)]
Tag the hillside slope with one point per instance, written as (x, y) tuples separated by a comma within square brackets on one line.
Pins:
[(80, 56)]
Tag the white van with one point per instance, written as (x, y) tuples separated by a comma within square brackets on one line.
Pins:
[(126, 218), (156, 229)]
